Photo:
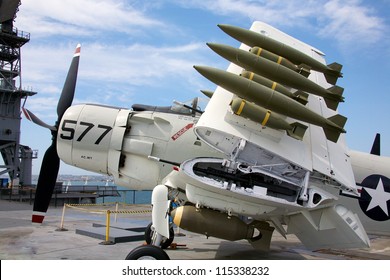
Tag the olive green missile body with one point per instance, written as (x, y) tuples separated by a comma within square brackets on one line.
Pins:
[(273, 100), (254, 39), (299, 95), (211, 223), (279, 60), (266, 117), (208, 93), (278, 73)]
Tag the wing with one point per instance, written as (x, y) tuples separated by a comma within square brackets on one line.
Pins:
[(274, 116)]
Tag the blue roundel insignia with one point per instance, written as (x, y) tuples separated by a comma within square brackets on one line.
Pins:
[(375, 197)]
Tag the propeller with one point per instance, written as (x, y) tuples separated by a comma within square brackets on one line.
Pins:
[(51, 162)]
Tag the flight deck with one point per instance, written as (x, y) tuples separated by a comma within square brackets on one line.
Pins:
[(21, 240)]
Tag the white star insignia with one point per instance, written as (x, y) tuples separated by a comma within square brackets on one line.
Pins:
[(379, 197)]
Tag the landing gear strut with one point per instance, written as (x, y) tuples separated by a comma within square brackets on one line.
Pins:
[(158, 234), (165, 243)]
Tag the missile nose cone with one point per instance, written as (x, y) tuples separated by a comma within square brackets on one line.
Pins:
[(208, 93), (228, 29), (212, 74), (223, 50), (224, 26), (211, 45), (198, 68), (214, 46), (202, 69)]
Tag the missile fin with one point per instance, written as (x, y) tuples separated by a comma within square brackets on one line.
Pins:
[(333, 73), (331, 104), (336, 90), (338, 94), (298, 131), (339, 120), (332, 133)]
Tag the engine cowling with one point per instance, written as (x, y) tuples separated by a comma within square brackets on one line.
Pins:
[(90, 137), (119, 142)]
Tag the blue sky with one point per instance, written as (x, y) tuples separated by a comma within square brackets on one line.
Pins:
[(143, 52)]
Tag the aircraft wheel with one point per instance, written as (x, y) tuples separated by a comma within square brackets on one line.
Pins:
[(147, 252), (165, 243)]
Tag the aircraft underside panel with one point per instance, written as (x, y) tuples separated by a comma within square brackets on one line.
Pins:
[(332, 227), (214, 183)]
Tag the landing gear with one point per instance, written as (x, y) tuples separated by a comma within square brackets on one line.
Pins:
[(159, 233), (147, 252), (165, 243)]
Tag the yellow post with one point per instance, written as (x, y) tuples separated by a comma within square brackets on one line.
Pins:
[(108, 225), (107, 241)]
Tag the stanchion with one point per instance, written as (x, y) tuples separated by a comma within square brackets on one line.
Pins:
[(107, 241), (61, 228), (116, 210), (108, 216)]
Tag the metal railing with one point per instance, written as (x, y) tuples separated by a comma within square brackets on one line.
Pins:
[(102, 195)]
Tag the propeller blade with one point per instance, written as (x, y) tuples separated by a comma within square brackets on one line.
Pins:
[(68, 90), (33, 118), (51, 162), (46, 183)]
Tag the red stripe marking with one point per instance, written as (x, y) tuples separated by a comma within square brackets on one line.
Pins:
[(26, 114), (182, 131), (37, 219)]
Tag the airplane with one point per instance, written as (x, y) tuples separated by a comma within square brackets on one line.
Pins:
[(267, 153)]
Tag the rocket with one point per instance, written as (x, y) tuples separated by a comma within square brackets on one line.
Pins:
[(278, 73), (211, 223), (208, 93), (266, 117), (280, 60), (299, 95), (253, 39), (262, 116), (273, 100)]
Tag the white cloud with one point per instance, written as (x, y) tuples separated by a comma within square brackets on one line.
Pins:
[(344, 21), (350, 22), (109, 74), (75, 17)]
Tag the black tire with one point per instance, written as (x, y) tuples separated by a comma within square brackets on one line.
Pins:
[(166, 243), (147, 252)]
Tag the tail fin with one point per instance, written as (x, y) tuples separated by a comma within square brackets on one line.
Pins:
[(339, 120), (376, 146), (298, 131), (332, 132), (333, 102), (333, 73)]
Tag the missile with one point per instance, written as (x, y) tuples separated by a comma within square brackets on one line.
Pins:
[(278, 73), (299, 95), (332, 71), (273, 100), (208, 93), (211, 223), (279, 60), (266, 117)]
